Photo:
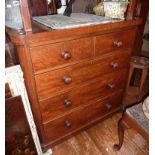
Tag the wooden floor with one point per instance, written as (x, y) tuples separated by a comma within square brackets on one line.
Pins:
[(99, 140)]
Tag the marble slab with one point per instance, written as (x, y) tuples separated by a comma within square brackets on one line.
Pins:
[(74, 21), (13, 17)]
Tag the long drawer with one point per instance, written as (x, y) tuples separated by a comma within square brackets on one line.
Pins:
[(58, 54), (82, 116), (62, 103), (59, 80), (114, 41)]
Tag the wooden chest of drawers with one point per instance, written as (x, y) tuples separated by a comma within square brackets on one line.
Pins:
[(80, 81), (75, 77)]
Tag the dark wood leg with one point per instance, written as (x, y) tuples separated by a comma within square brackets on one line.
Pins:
[(121, 128)]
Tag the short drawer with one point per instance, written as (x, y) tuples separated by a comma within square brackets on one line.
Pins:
[(53, 55), (81, 117), (60, 104), (114, 41), (62, 79)]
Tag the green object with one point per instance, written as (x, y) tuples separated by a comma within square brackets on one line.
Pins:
[(115, 9), (99, 10)]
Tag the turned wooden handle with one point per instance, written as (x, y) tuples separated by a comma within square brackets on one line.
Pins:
[(68, 124), (65, 55), (67, 79), (111, 85), (108, 106), (67, 103), (114, 64), (117, 43)]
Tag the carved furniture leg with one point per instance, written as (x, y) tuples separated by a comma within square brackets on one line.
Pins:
[(122, 125)]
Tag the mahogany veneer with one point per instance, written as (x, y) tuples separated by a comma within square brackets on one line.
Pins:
[(54, 107), (114, 41), (52, 55), (82, 116)]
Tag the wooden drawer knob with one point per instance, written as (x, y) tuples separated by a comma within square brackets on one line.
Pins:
[(68, 124), (114, 64), (65, 55), (67, 79), (117, 43), (67, 103), (111, 85), (108, 106)]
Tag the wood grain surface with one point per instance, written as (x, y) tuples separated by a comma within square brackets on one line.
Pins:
[(81, 95), (54, 81), (114, 41), (99, 140), (82, 116), (50, 55)]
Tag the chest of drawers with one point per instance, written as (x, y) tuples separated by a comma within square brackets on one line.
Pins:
[(79, 82), (75, 77)]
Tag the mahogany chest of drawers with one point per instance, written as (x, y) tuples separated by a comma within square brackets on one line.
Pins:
[(75, 77)]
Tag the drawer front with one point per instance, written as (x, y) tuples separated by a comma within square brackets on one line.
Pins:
[(82, 116), (48, 56), (59, 80), (114, 41), (55, 106)]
